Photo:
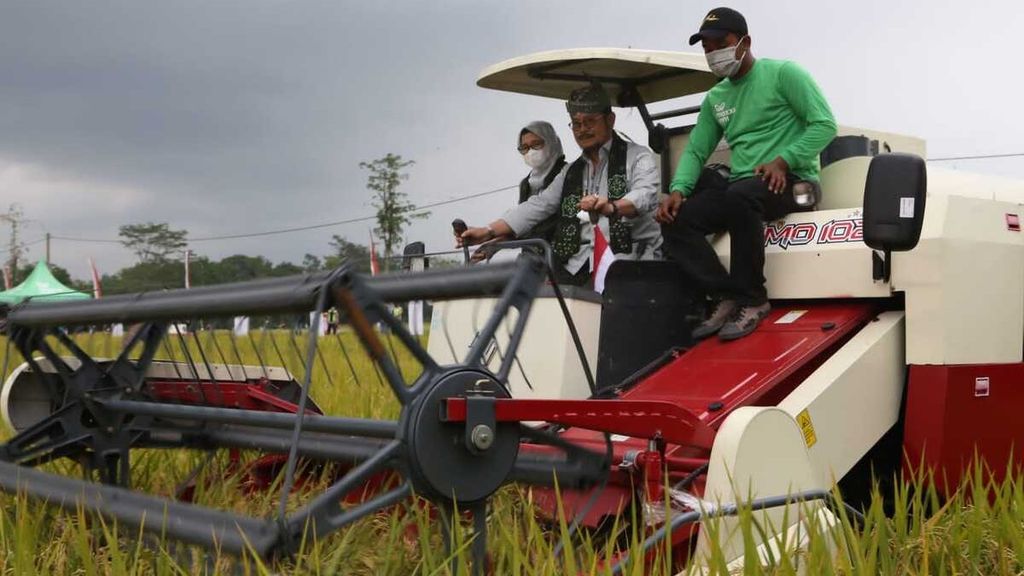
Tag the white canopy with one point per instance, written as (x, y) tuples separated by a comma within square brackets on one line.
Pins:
[(656, 74)]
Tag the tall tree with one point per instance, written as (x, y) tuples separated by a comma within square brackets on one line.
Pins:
[(14, 218), (345, 252), (394, 212), (153, 243)]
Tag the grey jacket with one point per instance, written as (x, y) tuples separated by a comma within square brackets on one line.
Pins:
[(644, 182)]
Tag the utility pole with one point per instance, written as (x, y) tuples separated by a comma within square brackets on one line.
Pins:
[(15, 218), (47, 248)]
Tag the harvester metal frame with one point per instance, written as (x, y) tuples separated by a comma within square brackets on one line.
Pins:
[(105, 411)]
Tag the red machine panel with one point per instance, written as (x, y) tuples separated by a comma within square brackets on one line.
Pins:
[(953, 411), (716, 377), (711, 380)]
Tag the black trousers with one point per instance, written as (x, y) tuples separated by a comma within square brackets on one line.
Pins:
[(741, 210)]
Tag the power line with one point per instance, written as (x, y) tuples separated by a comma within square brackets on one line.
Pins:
[(25, 244), (303, 228), (977, 157), (75, 239)]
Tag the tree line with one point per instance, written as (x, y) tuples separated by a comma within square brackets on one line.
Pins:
[(159, 249)]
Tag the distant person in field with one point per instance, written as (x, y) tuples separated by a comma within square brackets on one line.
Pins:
[(613, 178), (776, 122), (332, 320)]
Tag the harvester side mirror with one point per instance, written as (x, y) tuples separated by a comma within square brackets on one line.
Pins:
[(894, 203), (413, 257)]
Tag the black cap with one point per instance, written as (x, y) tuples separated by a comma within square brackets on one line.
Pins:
[(718, 23)]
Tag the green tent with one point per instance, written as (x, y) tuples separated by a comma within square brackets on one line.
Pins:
[(41, 286)]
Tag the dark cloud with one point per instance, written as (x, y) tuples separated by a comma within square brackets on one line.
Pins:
[(247, 115)]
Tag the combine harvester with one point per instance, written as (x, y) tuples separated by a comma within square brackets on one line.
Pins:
[(882, 341)]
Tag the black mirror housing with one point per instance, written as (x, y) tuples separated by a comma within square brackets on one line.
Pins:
[(894, 202)]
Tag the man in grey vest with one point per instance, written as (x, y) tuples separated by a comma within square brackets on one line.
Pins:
[(613, 178)]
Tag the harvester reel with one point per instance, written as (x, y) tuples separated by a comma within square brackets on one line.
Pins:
[(102, 409)]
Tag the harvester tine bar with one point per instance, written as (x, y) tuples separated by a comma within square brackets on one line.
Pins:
[(478, 551), (353, 449), (206, 363), (408, 340), (256, 349), (238, 356), (389, 498), (371, 341), (325, 508), (218, 529), (223, 358), (293, 336), (313, 422), (323, 365), (280, 356), (348, 359), (519, 293), (293, 452)]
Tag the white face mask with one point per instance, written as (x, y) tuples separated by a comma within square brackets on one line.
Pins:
[(723, 62), (534, 158)]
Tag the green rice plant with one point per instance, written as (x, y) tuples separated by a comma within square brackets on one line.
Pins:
[(977, 528)]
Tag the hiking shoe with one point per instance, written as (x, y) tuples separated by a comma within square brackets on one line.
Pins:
[(743, 321), (723, 310)]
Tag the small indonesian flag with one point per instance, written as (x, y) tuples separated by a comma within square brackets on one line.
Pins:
[(374, 265), (97, 288), (603, 258)]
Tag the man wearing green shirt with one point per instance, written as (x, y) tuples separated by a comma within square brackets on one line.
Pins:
[(776, 122)]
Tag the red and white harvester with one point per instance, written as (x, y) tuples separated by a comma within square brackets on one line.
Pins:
[(896, 337)]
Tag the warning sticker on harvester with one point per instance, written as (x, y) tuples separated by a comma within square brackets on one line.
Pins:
[(790, 317), (807, 428)]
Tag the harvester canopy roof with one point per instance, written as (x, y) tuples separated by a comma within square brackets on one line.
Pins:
[(41, 286), (655, 74)]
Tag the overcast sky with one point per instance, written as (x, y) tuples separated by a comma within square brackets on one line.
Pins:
[(242, 116)]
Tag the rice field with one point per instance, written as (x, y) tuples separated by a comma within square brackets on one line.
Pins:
[(978, 530)]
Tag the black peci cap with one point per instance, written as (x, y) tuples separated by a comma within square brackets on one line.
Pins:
[(720, 22)]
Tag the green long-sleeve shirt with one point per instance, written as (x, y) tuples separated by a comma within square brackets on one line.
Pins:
[(775, 110)]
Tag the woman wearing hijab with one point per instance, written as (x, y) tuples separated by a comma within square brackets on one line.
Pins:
[(542, 152)]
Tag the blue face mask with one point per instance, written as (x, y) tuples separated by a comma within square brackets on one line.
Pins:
[(723, 62)]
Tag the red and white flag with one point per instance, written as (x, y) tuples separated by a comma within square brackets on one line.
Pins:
[(603, 258), (97, 288), (374, 265)]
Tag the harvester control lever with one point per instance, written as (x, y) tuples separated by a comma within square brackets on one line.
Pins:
[(459, 227)]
